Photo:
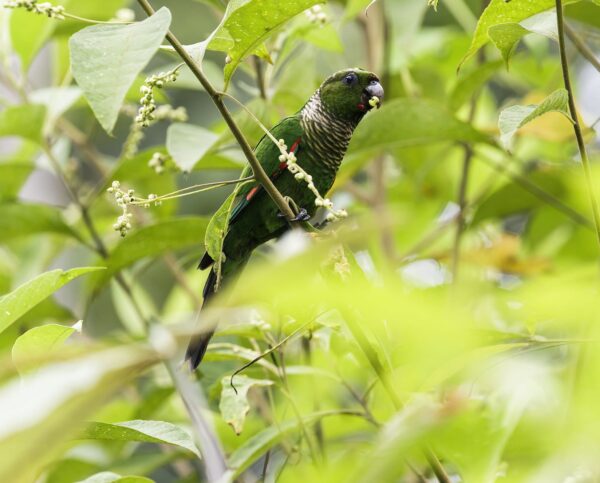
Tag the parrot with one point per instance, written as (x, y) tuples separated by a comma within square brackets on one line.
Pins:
[(318, 135)]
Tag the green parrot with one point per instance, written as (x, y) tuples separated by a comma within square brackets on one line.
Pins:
[(318, 135)]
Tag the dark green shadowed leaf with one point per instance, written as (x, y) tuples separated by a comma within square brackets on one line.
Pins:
[(25, 120), (155, 239), (28, 295), (142, 431), (18, 220), (106, 59)]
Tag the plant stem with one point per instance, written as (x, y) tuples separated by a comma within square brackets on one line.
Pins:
[(573, 111), (216, 97), (462, 206), (582, 47)]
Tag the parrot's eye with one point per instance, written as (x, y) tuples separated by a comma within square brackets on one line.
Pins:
[(350, 79)]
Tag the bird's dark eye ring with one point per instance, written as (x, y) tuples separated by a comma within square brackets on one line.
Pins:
[(349, 79)]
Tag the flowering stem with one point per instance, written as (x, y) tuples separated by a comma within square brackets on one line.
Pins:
[(573, 111), (216, 97)]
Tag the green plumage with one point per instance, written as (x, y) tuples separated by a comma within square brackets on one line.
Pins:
[(319, 135)]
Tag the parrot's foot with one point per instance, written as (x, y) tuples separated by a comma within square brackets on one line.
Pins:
[(301, 216)]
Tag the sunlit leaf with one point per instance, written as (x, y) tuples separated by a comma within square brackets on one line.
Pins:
[(142, 431), (110, 477), (234, 402), (57, 101), (28, 33), (106, 59), (12, 177), (28, 295), (25, 120), (187, 144), (468, 85), (514, 117), (40, 340), (247, 23), (50, 404)]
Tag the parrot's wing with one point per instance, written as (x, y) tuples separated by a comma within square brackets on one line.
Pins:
[(267, 153)]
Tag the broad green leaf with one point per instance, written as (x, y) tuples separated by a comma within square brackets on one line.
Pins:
[(514, 117), (142, 431), (507, 35), (234, 402), (28, 33), (18, 220), (110, 477), (106, 59), (156, 239), (187, 144), (41, 410), (57, 100), (26, 121), (502, 12), (40, 340), (248, 23), (468, 84), (410, 122), (12, 177), (28, 295)]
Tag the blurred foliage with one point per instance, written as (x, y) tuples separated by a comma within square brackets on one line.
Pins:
[(455, 310)]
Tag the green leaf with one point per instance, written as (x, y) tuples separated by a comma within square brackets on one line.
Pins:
[(18, 220), (42, 410), (25, 120), (57, 100), (110, 477), (28, 295), (514, 117), (39, 341), (155, 239), (468, 84), (106, 59), (502, 12), (142, 431), (188, 144), (234, 402), (12, 177), (252, 449), (506, 36), (28, 32), (410, 122), (248, 23)]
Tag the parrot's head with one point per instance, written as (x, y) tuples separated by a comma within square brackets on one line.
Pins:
[(349, 94)]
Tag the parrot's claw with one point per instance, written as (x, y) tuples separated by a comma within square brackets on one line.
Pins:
[(301, 216)]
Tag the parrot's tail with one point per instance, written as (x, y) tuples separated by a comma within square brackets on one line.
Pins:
[(199, 343), (229, 271)]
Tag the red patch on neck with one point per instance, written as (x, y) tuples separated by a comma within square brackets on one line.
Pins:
[(361, 106)]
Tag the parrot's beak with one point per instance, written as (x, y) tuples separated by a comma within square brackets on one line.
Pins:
[(373, 94)]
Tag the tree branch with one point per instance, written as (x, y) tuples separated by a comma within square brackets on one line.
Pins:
[(582, 47), (216, 97), (573, 111)]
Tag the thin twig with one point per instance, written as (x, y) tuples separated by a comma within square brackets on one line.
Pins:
[(216, 97), (582, 47), (573, 111)]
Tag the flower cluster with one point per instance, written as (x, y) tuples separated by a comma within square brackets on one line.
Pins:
[(165, 112), (148, 104), (123, 199), (158, 162), (301, 175), (46, 8), (316, 14)]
